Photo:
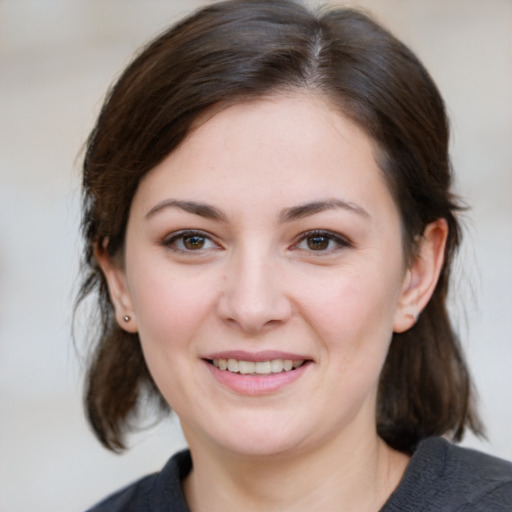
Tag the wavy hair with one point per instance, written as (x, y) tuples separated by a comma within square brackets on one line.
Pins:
[(236, 51)]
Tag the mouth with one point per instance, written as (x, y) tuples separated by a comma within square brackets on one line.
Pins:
[(257, 373), (257, 368)]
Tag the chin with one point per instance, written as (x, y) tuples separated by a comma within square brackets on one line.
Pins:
[(255, 437), (262, 444)]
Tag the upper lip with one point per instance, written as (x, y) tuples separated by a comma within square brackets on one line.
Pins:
[(264, 355)]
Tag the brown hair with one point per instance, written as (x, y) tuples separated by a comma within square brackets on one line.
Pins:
[(235, 51)]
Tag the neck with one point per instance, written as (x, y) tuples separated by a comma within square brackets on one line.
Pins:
[(357, 472)]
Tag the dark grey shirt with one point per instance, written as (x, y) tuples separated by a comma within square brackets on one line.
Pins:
[(441, 477)]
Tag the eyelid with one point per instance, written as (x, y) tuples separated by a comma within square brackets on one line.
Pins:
[(342, 241), (169, 240)]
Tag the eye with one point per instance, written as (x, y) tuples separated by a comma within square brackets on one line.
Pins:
[(190, 241), (321, 241)]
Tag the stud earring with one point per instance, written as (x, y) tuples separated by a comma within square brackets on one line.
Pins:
[(412, 316), (126, 318)]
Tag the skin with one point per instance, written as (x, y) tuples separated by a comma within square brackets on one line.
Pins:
[(256, 278)]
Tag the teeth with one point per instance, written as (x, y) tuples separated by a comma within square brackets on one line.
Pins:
[(276, 365), (263, 367), (259, 368), (246, 367)]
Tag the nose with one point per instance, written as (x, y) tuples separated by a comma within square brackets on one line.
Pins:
[(253, 297)]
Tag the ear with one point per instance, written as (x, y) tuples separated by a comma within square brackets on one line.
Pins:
[(118, 289), (421, 278)]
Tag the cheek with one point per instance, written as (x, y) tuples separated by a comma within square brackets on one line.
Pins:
[(170, 310), (352, 303), (168, 305), (353, 314)]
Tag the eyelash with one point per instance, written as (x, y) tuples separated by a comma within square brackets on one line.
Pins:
[(171, 241), (341, 242)]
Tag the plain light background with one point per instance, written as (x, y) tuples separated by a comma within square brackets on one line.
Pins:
[(56, 60)]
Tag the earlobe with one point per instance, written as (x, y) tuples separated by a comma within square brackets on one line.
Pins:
[(118, 289), (421, 278)]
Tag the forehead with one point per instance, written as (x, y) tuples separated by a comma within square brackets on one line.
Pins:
[(282, 149)]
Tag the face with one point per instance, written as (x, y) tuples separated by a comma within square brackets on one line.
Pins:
[(267, 243)]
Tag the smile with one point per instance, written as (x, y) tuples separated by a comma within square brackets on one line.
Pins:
[(257, 368), (257, 373)]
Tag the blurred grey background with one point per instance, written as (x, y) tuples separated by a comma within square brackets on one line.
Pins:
[(56, 60)]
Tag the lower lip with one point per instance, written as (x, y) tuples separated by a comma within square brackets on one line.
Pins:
[(256, 385)]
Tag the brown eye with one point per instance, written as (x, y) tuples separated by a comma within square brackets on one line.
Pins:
[(193, 242), (190, 241), (318, 243), (322, 242)]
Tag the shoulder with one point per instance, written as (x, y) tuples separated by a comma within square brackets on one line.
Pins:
[(153, 493), (485, 482), (132, 498), (444, 477)]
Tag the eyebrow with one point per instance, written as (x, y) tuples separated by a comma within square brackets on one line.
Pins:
[(202, 209), (307, 209), (286, 215)]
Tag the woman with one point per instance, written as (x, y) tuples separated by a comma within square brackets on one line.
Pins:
[(269, 227)]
